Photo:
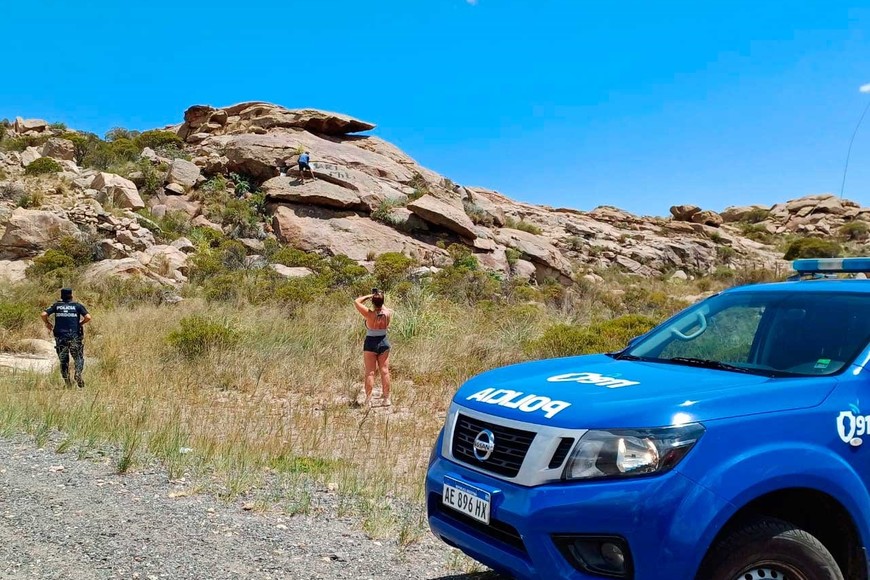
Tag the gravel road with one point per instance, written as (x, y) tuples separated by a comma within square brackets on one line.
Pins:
[(63, 518)]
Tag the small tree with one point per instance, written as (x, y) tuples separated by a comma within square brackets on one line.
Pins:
[(43, 165)]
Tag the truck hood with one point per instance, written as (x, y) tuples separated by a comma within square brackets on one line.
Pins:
[(597, 391)]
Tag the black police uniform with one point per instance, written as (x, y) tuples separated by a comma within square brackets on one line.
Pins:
[(69, 337)]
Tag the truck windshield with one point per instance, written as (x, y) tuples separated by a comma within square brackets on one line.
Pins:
[(768, 333)]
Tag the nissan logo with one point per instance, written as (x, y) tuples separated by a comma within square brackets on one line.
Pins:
[(484, 444)]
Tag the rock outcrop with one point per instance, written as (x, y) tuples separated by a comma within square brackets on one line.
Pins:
[(30, 232), (118, 191), (202, 121), (446, 212), (359, 238), (368, 197)]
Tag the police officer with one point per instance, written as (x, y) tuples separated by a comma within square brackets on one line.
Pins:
[(69, 320)]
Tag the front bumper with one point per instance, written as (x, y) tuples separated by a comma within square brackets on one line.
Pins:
[(666, 521)]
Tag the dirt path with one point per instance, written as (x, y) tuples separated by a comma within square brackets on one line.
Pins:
[(75, 520)]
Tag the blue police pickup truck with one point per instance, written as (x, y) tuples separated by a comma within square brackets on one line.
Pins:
[(725, 444)]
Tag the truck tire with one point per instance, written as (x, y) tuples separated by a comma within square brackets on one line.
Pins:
[(771, 549)]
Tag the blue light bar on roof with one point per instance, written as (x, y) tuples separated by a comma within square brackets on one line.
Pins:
[(821, 265)]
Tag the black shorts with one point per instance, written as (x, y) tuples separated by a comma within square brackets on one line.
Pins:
[(376, 344), (304, 166)]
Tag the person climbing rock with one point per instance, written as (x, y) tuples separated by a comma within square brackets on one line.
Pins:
[(305, 163), (69, 320)]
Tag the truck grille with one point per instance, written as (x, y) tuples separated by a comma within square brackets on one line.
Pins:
[(511, 446)]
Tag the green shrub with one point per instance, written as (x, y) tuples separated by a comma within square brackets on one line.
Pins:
[(156, 139), (23, 142), (812, 248), (212, 191), (81, 252), (241, 216), (856, 231), (106, 154), (292, 257), (569, 340), (210, 261), (296, 292), (522, 225), (14, 315), (576, 243), (50, 261), (462, 257), (477, 215), (344, 271), (32, 199), (754, 216), (170, 227), (757, 232), (83, 145), (43, 165), (382, 213), (117, 133), (243, 183), (391, 268), (421, 187), (57, 127), (723, 273), (512, 256), (197, 336), (725, 253), (466, 286), (223, 287)]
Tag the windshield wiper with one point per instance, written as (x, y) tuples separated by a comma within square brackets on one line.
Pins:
[(625, 356), (709, 364)]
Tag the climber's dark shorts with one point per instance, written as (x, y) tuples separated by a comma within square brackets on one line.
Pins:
[(304, 166), (376, 344)]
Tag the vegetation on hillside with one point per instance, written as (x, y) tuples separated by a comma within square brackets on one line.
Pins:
[(248, 370)]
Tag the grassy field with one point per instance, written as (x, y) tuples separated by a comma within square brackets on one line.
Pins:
[(229, 394)]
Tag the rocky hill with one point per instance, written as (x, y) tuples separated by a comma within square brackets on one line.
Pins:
[(368, 198)]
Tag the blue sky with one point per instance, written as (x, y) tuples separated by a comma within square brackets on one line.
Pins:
[(567, 103)]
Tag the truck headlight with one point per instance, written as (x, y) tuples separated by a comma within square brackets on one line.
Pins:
[(630, 452)]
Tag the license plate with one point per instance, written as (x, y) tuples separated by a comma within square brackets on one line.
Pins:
[(466, 499)]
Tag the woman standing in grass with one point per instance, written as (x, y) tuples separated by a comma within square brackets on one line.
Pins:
[(376, 348)]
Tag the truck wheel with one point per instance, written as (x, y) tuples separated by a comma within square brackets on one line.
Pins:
[(769, 549)]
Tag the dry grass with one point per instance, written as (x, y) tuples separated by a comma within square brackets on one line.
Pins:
[(281, 402)]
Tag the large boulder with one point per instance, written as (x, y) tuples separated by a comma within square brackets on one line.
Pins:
[(125, 268), (60, 149), (167, 261), (12, 271), (483, 199), (253, 117), (261, 156), (22, 126), (183, 173), (445, 212), (536, 248), (183, 203), (30, 155), (314, 192), (291, 272), (30, 232), (684, 213), (708, 218), (333, 232), (121, 192)]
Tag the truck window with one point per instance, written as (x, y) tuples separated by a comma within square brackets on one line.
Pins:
[(728, 337), (773, 333)]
